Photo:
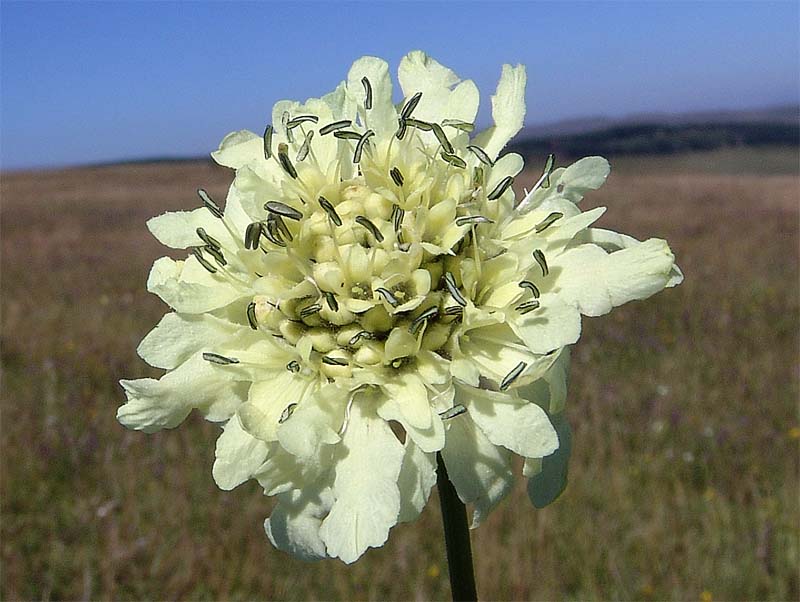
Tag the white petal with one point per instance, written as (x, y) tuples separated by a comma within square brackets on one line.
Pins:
[(554, 324), (506, 420), (594, 281), (417, 478), (546, 485), (238, 149), (429, 438), (187, 287), (508, 110), (367, 496), (479, 470), (313, 424), (294, 525), (178, 336), (238, 455), (268, 399), (164, 403), (178, 229), (587, 174), (408, 390), (382, 117)]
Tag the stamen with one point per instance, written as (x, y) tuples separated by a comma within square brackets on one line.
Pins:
[(330, 298), (286, 128), (387, 294), (548, 169), (272, 235), (302, 119), (409, 107), (501, 187), (367, 92), (442, 138), (397, 177), (329, 209), (216, 358), (283, 209), (363, 221), (450, 283), (287, 413), (473, 219), (401, 128), (512, 376), (456, 410), (252, 235), (280, 225), (310, 310), (397, 217), (336, 125), (426, 315), (464, 126), (286, 163), (333, 361), (453, 310), (209, 203), (420, 125), (548, 221), (527, 306), (540, 259), (454, 160), (216, 254), (293, 367), (303, 152), (481, 154), (251, 315), (364, 334), (210, 241), (347, 135), (268, 131), (203, 261), (360, 145), (531, 287)]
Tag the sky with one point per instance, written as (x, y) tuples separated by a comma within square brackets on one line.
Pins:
[(89, 82)]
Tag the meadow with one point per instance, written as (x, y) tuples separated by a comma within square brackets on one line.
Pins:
[(684, 475)]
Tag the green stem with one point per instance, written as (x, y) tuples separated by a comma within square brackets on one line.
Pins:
[(456, 538)]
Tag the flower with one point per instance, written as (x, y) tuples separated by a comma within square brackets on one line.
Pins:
[(374, 294)]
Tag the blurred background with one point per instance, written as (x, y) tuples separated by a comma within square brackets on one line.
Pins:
[(684, 476)]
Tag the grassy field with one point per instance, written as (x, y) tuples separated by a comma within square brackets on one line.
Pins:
[(684, 478)]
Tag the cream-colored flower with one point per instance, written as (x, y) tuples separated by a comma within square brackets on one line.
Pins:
[(373, 293)]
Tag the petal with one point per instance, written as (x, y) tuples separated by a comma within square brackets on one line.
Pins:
[(382, 117), (238, 149), (508, 111), (429, 438), (545, 486), (178, 229), (479, 470), (187, 287), (178, 336), (554, 324), (409, 392), (238, 455), (594, 281), (269, 399), (294, 525), (589, 173), (313, 424), (365, 487), (506, 420), (417, 478)]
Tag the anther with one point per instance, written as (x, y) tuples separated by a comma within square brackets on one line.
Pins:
[(252, 234), (268, 132), (387, 294), (293, 367), (286, 163), (347, 135), (203, 261), (409, 107), (548, 169), (453, 310), (464, 126), (286, 128), (336, 125), (360, 145), (512, 376), (209, 203), (454, 160), (216, 253), (364, 334), (450, 283), (310, 310), (473, 219), (527, 306), (210, 241), (216, 358), (442, 138), (397, 177), (363, 221), (283, 210), (397, 217), (481, 154), (303, 152), (280, 225), (531, 287), (301, 119), (456, 410), (548, 221), (426, 315), (330, 298), (367, 93), (540, 259), (251, 315), (333, 361), (287, 413), (501, 187), (329, 209), (420, 125), (401, 128)]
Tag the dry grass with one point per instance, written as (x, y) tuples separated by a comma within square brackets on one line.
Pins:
[(684, 477)]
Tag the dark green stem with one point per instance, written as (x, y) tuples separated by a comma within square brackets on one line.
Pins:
[(456, 538)]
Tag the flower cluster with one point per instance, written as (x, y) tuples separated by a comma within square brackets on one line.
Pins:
[(373, 294)]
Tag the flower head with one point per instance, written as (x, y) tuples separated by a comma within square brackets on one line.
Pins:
[(374, 293)]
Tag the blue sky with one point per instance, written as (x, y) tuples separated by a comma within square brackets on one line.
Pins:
[(89, 82)]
